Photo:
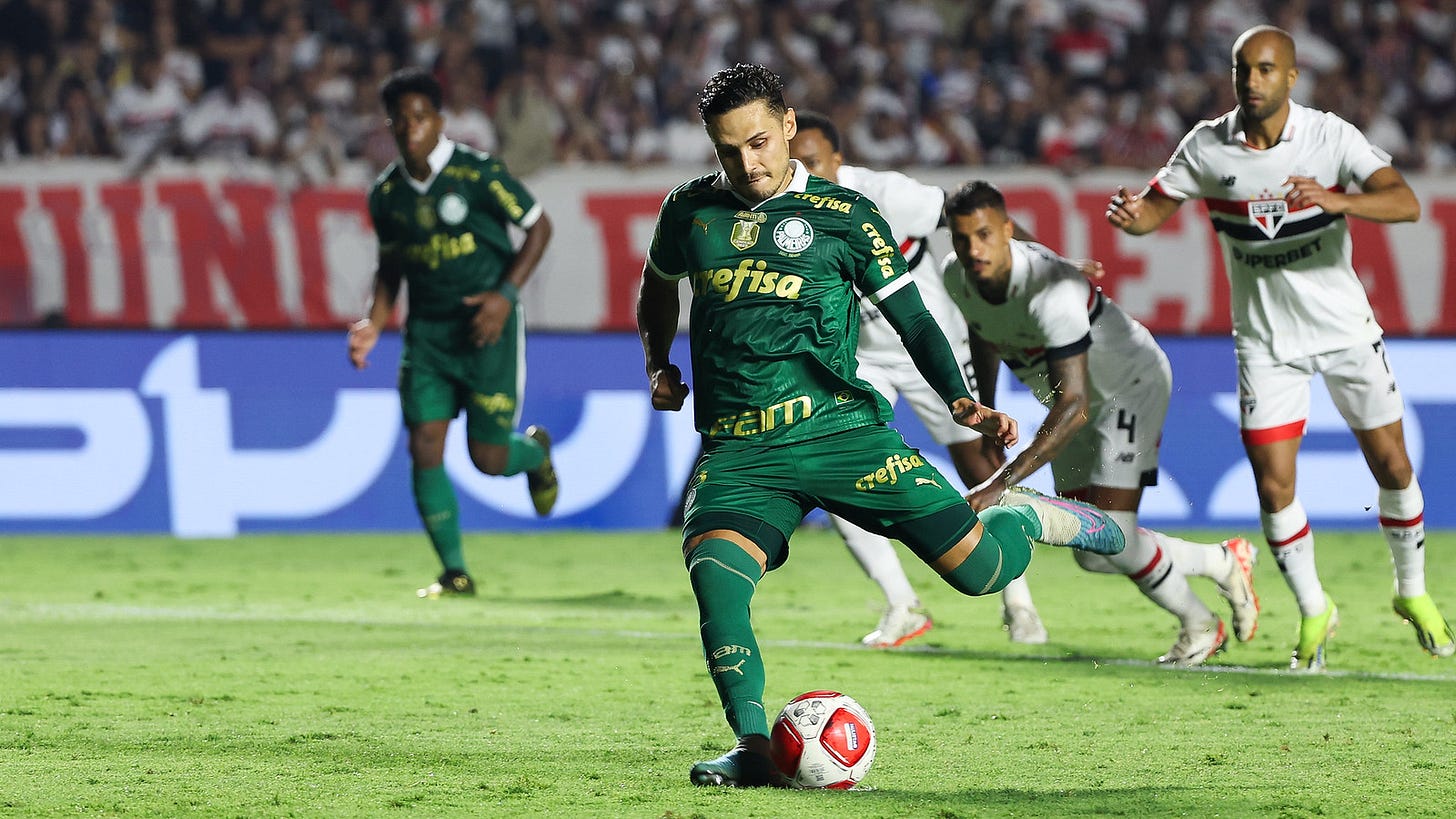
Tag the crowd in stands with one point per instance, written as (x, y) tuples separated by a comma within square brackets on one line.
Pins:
[(1066, 83)]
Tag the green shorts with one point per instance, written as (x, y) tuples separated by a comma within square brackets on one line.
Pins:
[(868, 476), (442, 372)]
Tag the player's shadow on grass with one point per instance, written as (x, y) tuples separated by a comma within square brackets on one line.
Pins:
[(1149, 800), (615, 599)]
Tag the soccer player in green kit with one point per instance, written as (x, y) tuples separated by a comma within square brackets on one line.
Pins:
[(774, 256), (441, 213)]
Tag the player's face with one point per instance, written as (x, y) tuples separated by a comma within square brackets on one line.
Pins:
[(753, 147), (416, 127), (1264, 73), (819, 157), (982, 243)]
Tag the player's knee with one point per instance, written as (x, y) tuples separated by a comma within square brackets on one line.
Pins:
[(490, 459), (990, 566), (716, 560)]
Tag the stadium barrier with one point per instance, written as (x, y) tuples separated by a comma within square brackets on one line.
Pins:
[(209, 434), (214, 246)]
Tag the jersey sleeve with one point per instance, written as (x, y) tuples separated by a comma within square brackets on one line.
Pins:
[(878, 268), (1179, 178), (1060, 310), (664, 255), (384, 230), (915, 206), (505, 196), (1358, 158)]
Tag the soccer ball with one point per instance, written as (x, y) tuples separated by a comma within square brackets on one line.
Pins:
[(823, 739)]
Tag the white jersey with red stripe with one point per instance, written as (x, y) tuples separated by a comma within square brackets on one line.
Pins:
[(1294, 292), (913, 210), (1051, 308)]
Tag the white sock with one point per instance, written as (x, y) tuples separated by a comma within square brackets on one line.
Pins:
[(876, 555), (1153, 570), (1292, 544), (1017, 593), (1209, 560), (1403, 522)]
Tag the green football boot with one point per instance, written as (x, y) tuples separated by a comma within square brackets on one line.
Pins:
[(1432, 631), (1314, 634)]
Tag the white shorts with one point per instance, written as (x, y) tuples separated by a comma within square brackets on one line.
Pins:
[(904, 380), (1118, 448), (1274, 398)]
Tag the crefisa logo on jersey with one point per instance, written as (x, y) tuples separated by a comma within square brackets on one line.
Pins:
[(453, 208), (1268, 214), (793, 235)]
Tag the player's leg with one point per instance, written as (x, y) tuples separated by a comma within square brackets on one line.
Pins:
[(738, 512), (1274, 399), (1363, 388), (493, 382), (428, 401), (975, 461), (903, 619), (1229, 564)]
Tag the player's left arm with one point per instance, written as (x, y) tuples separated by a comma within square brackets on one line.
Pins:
[(510, 201), (1384, 197)]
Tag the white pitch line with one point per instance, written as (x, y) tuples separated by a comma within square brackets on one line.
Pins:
[(112, 611)]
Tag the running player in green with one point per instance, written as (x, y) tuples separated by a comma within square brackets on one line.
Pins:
[(441, 213), (774, 257)]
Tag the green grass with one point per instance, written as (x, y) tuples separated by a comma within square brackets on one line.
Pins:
[(299, 676)]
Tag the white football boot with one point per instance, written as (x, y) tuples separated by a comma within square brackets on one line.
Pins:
[(1023, 625), (898, 626), (1195, 645)]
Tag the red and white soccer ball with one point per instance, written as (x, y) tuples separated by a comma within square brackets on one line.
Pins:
[(823, 739)]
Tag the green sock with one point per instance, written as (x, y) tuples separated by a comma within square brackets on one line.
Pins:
[(1030, 523), (1002, 555), (724, 578), (526, 454), (440, 512)]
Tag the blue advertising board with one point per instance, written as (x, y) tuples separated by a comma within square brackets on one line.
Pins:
[(210, 434)]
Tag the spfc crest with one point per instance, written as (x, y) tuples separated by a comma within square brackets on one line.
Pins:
[(1268, 215)]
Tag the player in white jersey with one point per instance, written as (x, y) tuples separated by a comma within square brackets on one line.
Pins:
[(1106, 384), (1274, 176), (914, 211)]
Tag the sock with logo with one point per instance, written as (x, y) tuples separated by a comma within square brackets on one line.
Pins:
[(1403, 522), (440, 512), (1153, 571), (525, 454), (723, 578), (1292, 543)]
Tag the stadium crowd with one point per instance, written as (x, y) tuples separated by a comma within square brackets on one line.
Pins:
[(1066, 83)]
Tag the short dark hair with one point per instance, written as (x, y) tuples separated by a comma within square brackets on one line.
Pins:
[(818, 122), (739, 85), (409, 81), (973, 196)]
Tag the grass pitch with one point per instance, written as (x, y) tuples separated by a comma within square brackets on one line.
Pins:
[(299, 676)]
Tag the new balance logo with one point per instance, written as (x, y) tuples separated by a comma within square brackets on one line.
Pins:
[(1226, 181)]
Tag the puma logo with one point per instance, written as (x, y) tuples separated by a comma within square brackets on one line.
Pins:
[(927, 482), (722, 669)]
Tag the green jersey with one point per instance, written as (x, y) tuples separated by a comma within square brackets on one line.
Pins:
[(774, 321), (448, 237)]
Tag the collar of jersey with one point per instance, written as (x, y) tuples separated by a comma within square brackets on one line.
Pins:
[(439, 157), (1236, 131), (798, 183), (1020, 269)]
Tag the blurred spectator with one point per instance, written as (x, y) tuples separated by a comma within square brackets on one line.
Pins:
[(144, 114), (314, 152), (179, 62), (78, 128), (465, 121), (234, 34), (1081, 48), (231, 122)]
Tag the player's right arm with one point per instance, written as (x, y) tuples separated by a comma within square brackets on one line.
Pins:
[(1140, 214), (658, 309), (1068, 414), (364, 333), (986, 367)]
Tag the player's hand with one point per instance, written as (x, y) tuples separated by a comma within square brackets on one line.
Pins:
[(668, 389), (1305, 191), (363, 335), (995, 425), (1124, 208), (492, 310), (993, 452), (1090, 268), (987, 494)]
